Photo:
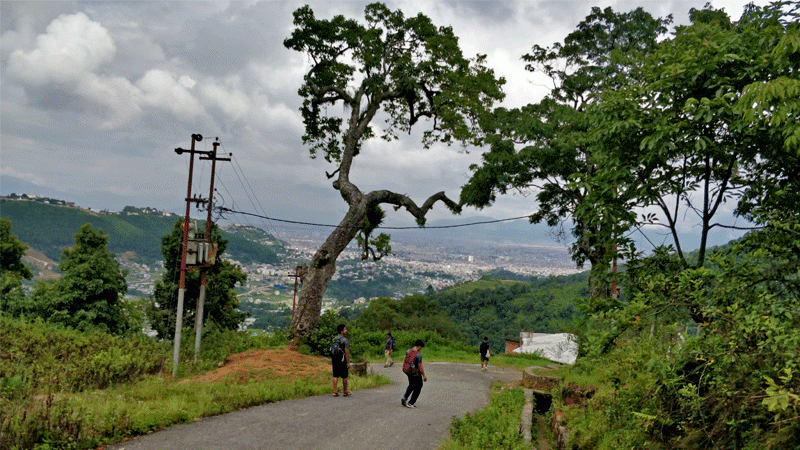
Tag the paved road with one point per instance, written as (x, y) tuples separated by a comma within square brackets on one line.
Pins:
[(369, 419)]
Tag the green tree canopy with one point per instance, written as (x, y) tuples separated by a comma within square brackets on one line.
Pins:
[(543, 147), (12, 269), (11, 253), (676, 138), (398, 68), (88, 295)]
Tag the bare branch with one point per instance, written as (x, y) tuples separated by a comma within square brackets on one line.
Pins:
[(403, 201)]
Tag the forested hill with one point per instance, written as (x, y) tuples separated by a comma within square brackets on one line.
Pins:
[(500, 309), (50, 225)]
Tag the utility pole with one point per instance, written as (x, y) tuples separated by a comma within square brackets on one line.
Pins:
[(200, 256), (296, 276), (198, 320)]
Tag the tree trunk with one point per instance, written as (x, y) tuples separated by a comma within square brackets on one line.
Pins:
[(599, 287), (321, 270)]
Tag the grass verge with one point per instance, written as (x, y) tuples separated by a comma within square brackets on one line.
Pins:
[(495, 426), (91, 418)]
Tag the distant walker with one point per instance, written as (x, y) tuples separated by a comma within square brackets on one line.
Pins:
[(486, 353)]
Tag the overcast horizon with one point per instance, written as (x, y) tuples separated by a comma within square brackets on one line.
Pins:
[(97, 95)]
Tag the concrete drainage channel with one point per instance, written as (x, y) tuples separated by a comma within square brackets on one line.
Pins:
[(538, 388)]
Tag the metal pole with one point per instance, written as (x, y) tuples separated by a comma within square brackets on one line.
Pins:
[(198, 320), (182, 286), (294, 296)]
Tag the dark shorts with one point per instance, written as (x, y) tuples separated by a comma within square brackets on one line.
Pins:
[(340, 370), (484, 358)]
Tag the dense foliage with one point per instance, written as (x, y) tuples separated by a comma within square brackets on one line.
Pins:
[(702, 352), (40, 362), (462, 314), (543, 148), (65, 389), (732, 383), (40, 357), (12, 269), (88, 295), (501, 309)]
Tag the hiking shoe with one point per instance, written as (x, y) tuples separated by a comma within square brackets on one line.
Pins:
[(410, 405), (403, 402), (391, 364)]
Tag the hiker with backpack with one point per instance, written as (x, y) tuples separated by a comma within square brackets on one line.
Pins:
[(412, 367), (486, 353), (340, 360), (387, 350)]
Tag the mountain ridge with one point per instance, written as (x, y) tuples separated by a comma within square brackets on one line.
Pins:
[(137, 230)]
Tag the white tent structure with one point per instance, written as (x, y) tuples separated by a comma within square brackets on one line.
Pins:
[(561, 347)]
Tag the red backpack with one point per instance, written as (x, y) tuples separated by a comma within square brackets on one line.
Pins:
[(409, 368)]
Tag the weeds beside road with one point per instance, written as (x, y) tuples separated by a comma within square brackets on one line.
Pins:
[(63, 389)]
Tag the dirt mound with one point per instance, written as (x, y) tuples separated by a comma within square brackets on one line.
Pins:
[(266, 364), (45, 265)]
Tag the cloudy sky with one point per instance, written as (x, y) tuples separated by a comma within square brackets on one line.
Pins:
[(97, 95)]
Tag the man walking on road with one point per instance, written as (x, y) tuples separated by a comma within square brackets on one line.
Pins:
[(485, 353), (340, 360), (412, 367), (387, 350)]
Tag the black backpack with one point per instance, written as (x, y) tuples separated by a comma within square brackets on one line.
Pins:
[(336, 347)]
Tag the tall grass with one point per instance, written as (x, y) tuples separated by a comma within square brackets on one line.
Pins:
[(495, 427), (62, 389)]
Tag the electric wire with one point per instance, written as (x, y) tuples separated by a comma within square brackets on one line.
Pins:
[(250, 187), (247, 188), (379, 227)]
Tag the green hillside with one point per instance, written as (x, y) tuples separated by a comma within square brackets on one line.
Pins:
[(49, 227), (501, 309)]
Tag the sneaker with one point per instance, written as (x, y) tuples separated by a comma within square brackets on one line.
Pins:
[(410, 405), (403, 402), (391, 364)]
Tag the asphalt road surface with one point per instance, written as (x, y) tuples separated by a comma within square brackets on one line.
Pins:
[(368, 419)]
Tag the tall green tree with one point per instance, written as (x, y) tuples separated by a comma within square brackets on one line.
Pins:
[(676, 139), (404, 68), (221, 303), (772, 101), (89, 293), (544, 147), (12, 269)]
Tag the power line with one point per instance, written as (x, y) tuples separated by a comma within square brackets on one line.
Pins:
[(223, 209)]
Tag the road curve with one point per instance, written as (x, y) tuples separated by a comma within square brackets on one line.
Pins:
[(368, 419)]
